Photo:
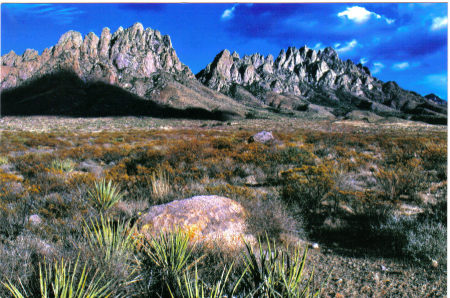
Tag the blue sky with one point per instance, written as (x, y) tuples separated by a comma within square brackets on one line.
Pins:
[(403, 42)]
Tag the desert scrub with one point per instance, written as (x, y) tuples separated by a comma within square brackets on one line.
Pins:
[(273, 272), (63, 165), (307, 186), (62, 279), (104, 195), (296, 155), (419, 238), (403, 179)]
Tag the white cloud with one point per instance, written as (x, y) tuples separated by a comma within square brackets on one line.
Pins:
[(377, 67), (350, 45), (363, 60), (401, 65), (361, 15), (318, 46), (357, 14), (61, 14), (439, 23), (228, 13)]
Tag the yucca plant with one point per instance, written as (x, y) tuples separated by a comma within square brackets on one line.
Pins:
[(64, 165), (113, 245), (15, 291), (113, 239), (168, 256), (64, 281), (104, 195), (275, 273), (195, 288)]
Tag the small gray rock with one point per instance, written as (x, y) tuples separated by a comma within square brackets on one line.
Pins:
[(263, 137), (35, 220)]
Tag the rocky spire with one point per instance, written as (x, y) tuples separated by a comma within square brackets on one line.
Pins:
[(127, 58)]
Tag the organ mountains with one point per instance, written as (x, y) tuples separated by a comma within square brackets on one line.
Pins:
[(136, 71)]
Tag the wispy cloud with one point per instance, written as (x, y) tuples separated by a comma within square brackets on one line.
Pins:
[(439, 23), (377, 67), (59, 13), (361, 15), (350, 45), (363, 60), (228, 13), (436, 79), (401, 66), (318, 46)]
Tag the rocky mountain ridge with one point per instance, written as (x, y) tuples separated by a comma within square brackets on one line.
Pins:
[(112, 58), (144, 63), (301, 78), (140, 61)]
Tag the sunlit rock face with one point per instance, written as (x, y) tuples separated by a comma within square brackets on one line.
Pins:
[(127, 58), (208, 219), (299, 77)]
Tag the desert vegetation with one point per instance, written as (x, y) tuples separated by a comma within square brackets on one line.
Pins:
[(69, 200)]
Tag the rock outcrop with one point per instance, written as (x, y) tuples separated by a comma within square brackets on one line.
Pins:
[(140, 61), (126, 58), (211, 219), (300, 77)]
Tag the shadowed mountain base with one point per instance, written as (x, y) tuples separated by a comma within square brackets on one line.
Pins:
[(65, 94)]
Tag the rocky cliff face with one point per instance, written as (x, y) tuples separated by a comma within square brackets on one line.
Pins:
[(127, 58), (140, 61), (298, 78)]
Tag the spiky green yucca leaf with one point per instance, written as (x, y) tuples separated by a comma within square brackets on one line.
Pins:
[(104, 195), (65, 165), (14, 291), (169, 251), (277, 273), (61, 280), (169, 256), (113, 239), (195, 288)]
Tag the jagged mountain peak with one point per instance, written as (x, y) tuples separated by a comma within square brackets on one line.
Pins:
[(126, 55), (303, 76), (141, 62)]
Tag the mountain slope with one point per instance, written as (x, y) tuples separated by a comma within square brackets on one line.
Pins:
[(142, 62), (74, 97), (298, 78)]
